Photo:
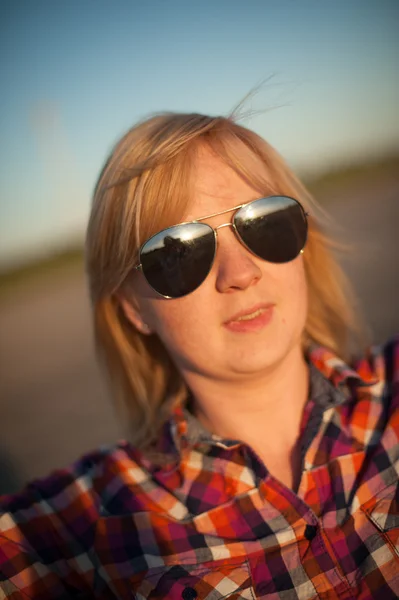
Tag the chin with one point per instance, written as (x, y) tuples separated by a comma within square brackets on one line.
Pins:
[(256, 362), (261, 356)]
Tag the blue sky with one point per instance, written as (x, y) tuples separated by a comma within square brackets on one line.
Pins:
[(75, 74)]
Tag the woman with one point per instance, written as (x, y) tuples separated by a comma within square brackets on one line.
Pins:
[(258, 463)]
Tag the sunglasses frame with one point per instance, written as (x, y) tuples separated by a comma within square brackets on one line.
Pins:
[(215, 230)]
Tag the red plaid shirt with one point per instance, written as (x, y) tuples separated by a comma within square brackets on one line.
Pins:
[(202, 518)]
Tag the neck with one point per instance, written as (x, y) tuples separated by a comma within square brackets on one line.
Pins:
[(264, 410)]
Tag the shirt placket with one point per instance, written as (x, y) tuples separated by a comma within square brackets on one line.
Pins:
[(315, 559), (317, 556)]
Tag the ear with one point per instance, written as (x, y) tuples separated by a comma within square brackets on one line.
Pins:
[(133, 315)]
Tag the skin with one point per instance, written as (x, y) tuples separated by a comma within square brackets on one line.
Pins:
[(250, 386)]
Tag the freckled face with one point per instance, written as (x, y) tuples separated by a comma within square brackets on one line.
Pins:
[(197, 329)]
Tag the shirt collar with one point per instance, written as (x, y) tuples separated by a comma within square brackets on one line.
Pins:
[(331, 380)]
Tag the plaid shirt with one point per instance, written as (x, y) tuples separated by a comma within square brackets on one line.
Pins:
[(201, 517)]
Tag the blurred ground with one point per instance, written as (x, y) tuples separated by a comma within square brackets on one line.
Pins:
[(365, 211), (53, 403)]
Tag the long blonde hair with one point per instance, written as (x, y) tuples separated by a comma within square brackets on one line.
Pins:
[(144, 187)]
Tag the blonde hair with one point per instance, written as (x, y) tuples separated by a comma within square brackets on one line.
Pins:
[(144, 187)]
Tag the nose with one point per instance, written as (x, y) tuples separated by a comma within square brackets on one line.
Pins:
[(237, 268)]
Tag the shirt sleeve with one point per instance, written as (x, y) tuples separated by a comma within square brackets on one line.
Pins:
[(46, 533)]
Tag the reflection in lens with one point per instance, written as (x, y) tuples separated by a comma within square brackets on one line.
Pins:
[(176, 260), (273, 228)]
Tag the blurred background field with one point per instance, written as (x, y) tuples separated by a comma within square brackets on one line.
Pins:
[(76, 75)]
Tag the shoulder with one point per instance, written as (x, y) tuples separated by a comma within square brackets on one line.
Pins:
[(82, 488), (368, 389), (378, 366), (381, 363), (49, 493), (51, 523), (375, 413)]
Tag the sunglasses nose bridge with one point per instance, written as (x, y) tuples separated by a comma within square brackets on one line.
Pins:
[(234, 228), (232, 225), (224, 225)]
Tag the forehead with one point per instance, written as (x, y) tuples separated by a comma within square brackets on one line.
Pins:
[(216, 186)]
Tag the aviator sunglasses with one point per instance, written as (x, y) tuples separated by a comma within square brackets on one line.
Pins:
[(178, 259)]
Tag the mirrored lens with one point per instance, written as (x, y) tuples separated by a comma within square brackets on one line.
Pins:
[(176, 260), (273, 228)]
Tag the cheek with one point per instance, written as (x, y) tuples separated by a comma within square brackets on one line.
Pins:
[(169, 319), (296, 279), (291, 283), (179, 323)]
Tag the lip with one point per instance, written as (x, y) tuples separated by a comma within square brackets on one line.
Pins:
[(250, 325)]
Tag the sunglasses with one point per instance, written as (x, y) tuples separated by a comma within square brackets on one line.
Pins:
[(178, 259)]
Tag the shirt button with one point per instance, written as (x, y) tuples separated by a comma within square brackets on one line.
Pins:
[(189, 593), (310, 532)]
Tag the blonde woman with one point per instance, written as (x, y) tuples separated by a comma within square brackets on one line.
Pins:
[(260, 461)]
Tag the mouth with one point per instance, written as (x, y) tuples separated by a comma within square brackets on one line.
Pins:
[(252, 319), (249, 316)]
